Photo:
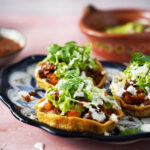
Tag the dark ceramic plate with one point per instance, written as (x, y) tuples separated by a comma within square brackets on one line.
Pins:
[(18, 79)]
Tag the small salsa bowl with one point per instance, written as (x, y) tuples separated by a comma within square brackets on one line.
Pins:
[(115, 47), (11, 34)]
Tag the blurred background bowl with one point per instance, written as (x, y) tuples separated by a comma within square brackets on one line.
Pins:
[(15, 36), (115, 47)]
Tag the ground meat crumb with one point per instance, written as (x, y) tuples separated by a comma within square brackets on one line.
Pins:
[(137, 99), (47, 72), (27, 98), (96, 75), (130, 119)]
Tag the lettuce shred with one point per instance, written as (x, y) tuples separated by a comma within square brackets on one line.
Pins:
[(70, 56), (139, 71)]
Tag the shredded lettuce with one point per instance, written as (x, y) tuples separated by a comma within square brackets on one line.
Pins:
[(75, 88), (70, 56), (140, 58), (139, 70), (65, 102)]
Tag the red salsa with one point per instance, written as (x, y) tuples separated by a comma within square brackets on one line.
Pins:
[(8, 46)]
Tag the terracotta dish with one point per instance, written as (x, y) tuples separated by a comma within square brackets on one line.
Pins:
[(115, 47)]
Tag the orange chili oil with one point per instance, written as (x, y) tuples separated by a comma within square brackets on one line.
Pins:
[(8, 46)]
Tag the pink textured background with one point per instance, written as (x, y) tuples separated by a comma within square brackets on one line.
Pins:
[(39, 32)]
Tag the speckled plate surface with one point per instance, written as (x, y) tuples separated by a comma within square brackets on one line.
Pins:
[(18, 79)]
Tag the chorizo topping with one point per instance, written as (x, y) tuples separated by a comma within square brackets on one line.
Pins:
[(52, 79), (47, 72), (46, 69), (129, 91), (96, 75), (26, 98), (136, 98)]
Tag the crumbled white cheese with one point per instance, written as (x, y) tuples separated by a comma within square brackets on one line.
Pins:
[(24, 93), (39, 146), (83, 74), (37, 70), (77, 54), (31, 97), (72, 61), (141, 105), (58, 53), (148, 92), (42, 104), (99, 116), (84, 58), (106, 133), (79, 91), (106, 99), (89, 84), (131, 82), (136, 70), (86, 104), (90, 66), (64, 68), (97, 101), (103, 72), (86, 115), (118, 85), (120, 92), (131, 90), (61, 91), (60, 82), (114, 117)]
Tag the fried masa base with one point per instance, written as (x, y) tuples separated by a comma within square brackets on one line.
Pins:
[(134, 110), (45, 85), (75, 124)]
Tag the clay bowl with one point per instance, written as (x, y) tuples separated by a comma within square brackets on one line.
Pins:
[(16, 36), (115, 47)]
